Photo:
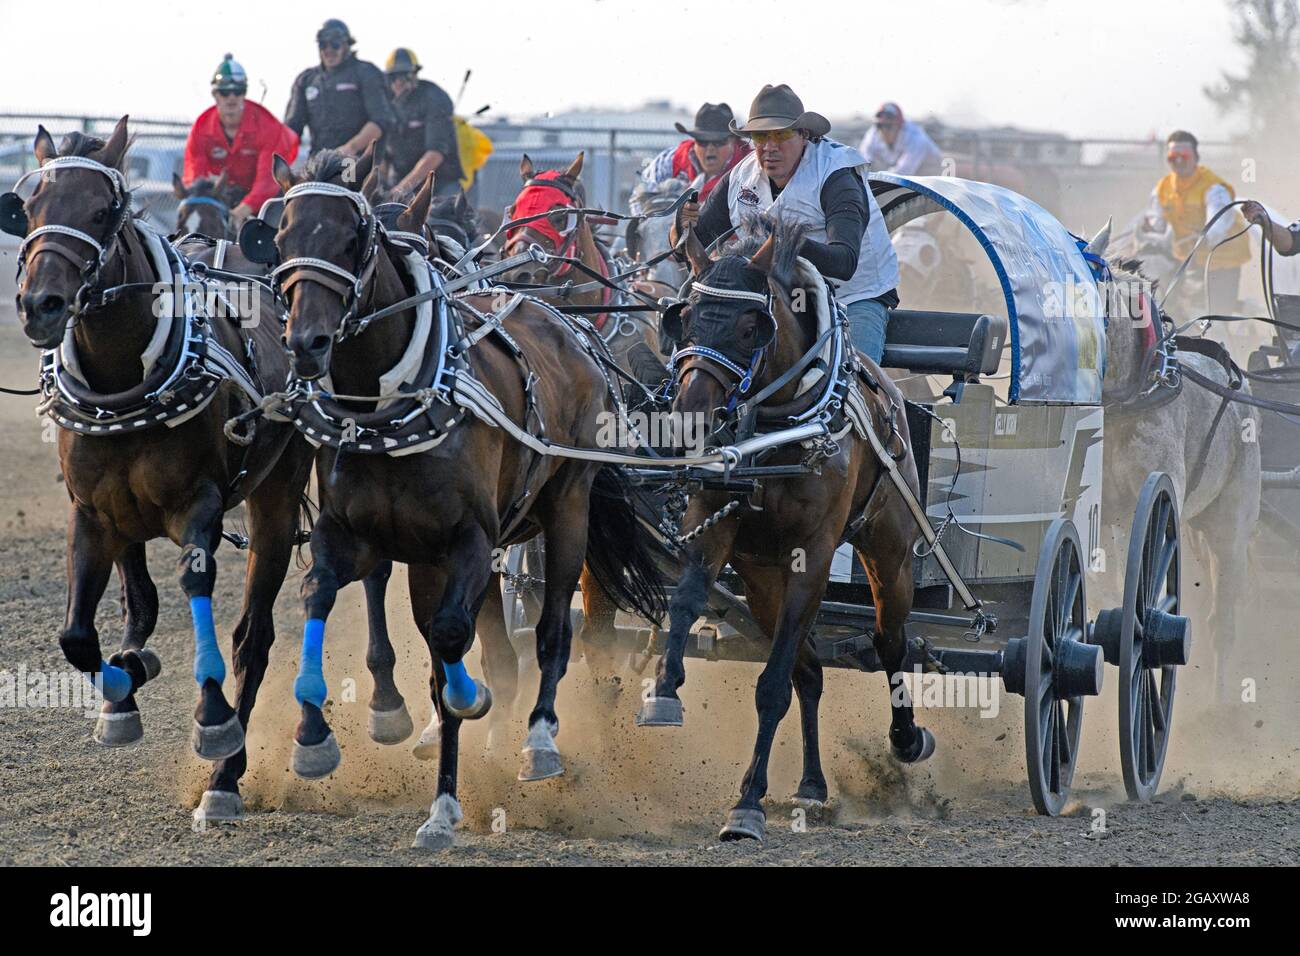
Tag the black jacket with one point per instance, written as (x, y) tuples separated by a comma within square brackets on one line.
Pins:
[(335, 104)]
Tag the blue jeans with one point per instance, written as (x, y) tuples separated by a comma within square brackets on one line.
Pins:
[(867, 322)]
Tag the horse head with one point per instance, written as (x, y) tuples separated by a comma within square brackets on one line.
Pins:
[(556, 196), (77, 215), (205, 206)]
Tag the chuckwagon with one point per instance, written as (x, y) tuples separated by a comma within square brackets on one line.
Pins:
[(1009, 511)]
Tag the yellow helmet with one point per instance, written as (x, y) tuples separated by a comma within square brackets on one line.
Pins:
[(402, 60)]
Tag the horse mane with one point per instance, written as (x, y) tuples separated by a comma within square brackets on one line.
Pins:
[(328, 165), (789, 240), (78, 143)]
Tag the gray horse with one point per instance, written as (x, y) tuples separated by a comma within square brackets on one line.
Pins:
[(1208, 448)]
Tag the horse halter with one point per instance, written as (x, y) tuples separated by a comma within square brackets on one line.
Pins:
[(14, 221), (565, 240), (221, 207), (352, 286), (744, 377)]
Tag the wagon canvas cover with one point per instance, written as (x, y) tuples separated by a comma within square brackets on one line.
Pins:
[(1054, 308)]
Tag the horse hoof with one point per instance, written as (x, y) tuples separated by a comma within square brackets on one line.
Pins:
[(438, 832), (540, 764), (660, 712), (922, 747), (430, 743), (219, 742), (219, 805), (482, 703), (390, 726), (313, 761), (118, 729), (151, 661), (744, 824)]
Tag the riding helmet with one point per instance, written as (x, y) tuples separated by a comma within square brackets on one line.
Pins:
[(335, 29), (402, 60), (230, 77)]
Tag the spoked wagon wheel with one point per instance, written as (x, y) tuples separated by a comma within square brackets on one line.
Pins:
[(1147, 638), (1059, 668), (522, 585)]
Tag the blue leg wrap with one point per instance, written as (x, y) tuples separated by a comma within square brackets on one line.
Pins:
[(461, 691), (309, 687), (207, 656), (114, 682)]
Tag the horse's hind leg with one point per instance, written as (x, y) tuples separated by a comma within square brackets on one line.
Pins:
[(272, 523), (808, 687), (598, 634), (388, 721), (119, 722), (499, 659)]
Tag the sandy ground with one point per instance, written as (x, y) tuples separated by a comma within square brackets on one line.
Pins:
[(631, 796)]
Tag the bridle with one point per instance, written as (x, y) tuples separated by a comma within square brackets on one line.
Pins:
[(349, 286), (568, 245), (222, 209), (88, 269), (738, 379)]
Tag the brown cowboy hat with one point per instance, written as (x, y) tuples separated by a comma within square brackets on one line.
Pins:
[(777, 107), (712, 122)]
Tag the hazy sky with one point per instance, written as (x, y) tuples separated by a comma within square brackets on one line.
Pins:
[(1101, 67)]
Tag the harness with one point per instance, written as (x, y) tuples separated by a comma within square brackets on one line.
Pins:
[(222, 208), (189, 364)]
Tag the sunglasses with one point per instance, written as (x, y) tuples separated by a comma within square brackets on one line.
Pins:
[(710, 142), (230, 94), (330, 44), (774, 136)]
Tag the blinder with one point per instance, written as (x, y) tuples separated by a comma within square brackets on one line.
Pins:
[(257, 242), (13, 215)]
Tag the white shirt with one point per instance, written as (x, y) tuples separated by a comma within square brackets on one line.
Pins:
[(914, 153), (1216, 197)]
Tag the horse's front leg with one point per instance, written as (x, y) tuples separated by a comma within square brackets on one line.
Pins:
[(217, 731), (91, 551), (802, 592), (119, 721), (334, 563), (449, 633), (704, 561)]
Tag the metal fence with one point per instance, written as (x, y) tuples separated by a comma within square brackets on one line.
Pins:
[(1082, 181)]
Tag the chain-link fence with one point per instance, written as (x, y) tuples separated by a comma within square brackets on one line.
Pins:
[(1082, 181)]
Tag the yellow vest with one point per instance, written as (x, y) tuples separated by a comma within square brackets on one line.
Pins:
[(1183, 202)]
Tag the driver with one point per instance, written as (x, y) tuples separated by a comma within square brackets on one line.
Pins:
[(709, 151), (1182, 203), (897, 145), (799, 173), (342, 100), (240, 139)]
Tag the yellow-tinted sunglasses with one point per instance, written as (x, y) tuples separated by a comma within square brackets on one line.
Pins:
[(774, 135)]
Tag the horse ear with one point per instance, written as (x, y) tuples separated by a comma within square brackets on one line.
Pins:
[(413, 218), (44, 146), (370, 188), (115, 149), (363, 166), (526, 168), (762, 260), (696, 254), (1098, 243), (178, 186), (462, 204), (282, 173), (575, 167)]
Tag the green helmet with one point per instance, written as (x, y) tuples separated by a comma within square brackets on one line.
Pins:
[(402, 60), (229, 77)]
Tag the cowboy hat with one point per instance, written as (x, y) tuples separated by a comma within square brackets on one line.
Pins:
[(777, 107), (711, 123)]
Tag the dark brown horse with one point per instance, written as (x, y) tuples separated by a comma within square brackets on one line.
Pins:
[(741, 323), (442, 510), (204, 207), (130, 483)]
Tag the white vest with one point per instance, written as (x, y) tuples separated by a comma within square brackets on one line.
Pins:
[(749, 193)]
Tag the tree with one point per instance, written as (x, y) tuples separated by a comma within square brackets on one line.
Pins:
[(1268, 92)]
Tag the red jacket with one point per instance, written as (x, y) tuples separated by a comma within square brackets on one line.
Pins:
[(246, 161)]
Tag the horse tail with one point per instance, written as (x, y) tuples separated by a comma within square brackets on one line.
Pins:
[(620, 549)]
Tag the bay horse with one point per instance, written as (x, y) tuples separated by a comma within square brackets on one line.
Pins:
[(443, 510), (157, 463), (204, 207), (1207, 446), (746, 323)]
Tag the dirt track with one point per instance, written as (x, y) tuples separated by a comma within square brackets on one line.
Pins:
[(630, 796)]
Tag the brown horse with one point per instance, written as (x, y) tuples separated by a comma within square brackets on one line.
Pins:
[(204, 207), (740, 332), (157, 463), (442, 510)]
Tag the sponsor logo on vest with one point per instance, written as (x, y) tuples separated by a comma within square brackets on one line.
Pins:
[(312, 92), (134, 910), (344, 87), (219, 152), (747, 196)]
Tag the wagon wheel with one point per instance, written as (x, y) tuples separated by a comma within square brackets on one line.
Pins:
[(1153, 638), (523, 607), (1058, 614)]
